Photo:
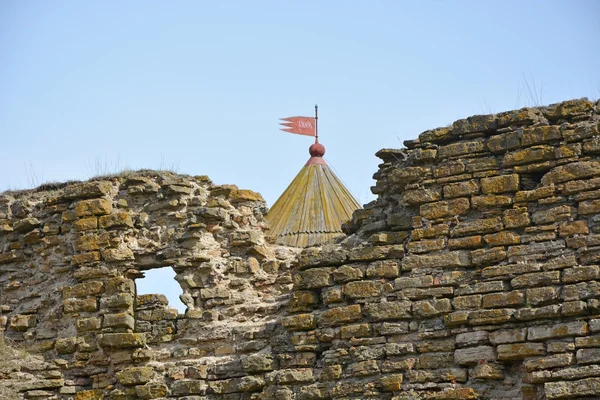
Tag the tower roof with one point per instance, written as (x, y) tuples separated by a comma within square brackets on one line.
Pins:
[(314, 206)]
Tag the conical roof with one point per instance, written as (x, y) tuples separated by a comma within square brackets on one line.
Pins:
[(314, 206)]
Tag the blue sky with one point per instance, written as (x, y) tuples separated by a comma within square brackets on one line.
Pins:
[(198, 86)]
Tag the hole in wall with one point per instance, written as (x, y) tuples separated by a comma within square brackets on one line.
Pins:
[(532, 180), (161, 281)]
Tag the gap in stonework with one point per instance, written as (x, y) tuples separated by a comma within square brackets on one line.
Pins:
[(161, 281)]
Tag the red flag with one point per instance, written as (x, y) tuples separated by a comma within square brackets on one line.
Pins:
[(299, 125)]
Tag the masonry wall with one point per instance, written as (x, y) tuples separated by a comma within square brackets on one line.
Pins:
[(474, 275)]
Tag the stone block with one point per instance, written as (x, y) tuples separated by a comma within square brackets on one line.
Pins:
[(485, 257), (87, 190), (472, 302), (503, 238), (474, 355), (362, 289), (86, 224), (426, 245), (469, 242), (500, 184), (116, 219), (383, 269), (122, 253), (445, 208), (340, 315), (536, 279), (490, 317), (469, 339), (314, 278), (504, 299), (22, 322), (120, 320), (548, 362), (85, 289), (135, 376), (423, 195), (345, 273), (449, 259), (558, 330), (461, 148), (461, 189), (481, 226), (572, 389), (300, 322), (528, 155), (490, 201), (302, 300), (122, 340), (519, 351), (88, 304), (542, 295), (86, 208), (504, 142), (431, 308), (572, 171), (391, 310)]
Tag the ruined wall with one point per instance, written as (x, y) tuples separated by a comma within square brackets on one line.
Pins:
[(69, 258), (473, 276)]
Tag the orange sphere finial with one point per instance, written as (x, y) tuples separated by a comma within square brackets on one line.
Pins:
[(316, 150)]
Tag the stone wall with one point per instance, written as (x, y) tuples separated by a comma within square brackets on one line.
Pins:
[(474, 275)]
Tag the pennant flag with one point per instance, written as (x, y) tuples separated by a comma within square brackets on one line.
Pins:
[(299, 125)]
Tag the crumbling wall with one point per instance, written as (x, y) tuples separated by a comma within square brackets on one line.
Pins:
[(474, 275), (69, 257)]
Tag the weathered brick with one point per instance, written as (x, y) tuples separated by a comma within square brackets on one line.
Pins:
[(503, 238), (508, 336), (484, 317), (572, 171), (490, 201), (468, 242), (504, 299), (84, 208), (572, 389), (424, 195), (390, 310), (541, 295), (500, 184), (484, 257), (362, 289), (575, 328), (461, 148), (383, 269), (581, 273), (340, 315), (300, 322), (445, 208), (440, 260), (504, 142), (430, 308), (519, 351), (528, 156), (548, 362), (474, 355), (480, 226), (461, 189), (314, 278), (426, 245), (536, 279), (472, 302)]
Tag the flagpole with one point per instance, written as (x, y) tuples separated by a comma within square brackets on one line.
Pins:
[(316, 123)]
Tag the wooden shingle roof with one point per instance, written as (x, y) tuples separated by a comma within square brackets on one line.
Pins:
[(314, 206)]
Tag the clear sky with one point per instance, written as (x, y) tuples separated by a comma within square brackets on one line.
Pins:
[(89, 87)]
